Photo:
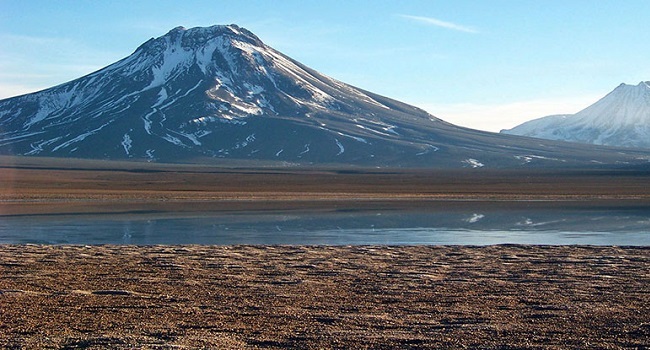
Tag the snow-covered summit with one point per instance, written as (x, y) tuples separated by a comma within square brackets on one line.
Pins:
[(195, 37), (198, 91), (621, 118), (220, 92)]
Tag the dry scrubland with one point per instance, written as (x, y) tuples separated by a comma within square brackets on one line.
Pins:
[(236, 297)]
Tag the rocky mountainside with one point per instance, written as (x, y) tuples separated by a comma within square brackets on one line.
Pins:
[(622, 118), (219, 92)]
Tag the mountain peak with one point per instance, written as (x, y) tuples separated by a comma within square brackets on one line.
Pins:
[(217, 29), (621, 118), (634, 92), (214, 31), (640, 85), (196, 37), (178, 29)]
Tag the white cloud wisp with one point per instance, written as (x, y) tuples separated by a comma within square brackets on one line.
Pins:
[(442, 24)]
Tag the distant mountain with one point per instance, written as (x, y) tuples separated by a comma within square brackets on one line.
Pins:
[(220, 93), (622, 118)]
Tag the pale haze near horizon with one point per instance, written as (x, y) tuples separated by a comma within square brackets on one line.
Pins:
[(485, 65)]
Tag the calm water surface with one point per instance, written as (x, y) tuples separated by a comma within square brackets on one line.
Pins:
[(629, 226)]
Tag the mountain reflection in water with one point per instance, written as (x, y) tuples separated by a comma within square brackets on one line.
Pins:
[(628, 226)]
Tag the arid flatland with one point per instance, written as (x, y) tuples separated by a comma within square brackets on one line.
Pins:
[(59, 186)]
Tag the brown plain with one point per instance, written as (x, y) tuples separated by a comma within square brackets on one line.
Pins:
[(58, 186)]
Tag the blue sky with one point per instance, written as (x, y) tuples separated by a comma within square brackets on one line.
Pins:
[(483, 64)]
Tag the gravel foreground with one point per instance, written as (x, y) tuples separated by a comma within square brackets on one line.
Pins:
[(308, 297)]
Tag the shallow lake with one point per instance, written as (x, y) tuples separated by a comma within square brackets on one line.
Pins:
[(599, 226)]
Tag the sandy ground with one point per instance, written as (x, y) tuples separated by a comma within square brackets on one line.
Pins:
[(235, 297)]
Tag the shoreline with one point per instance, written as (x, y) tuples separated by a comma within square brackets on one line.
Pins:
[(180, 207)]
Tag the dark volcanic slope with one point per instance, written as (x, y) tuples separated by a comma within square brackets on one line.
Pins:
[(220, 92)]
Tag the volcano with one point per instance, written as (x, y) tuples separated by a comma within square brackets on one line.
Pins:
[(621, 118), (219, 93)]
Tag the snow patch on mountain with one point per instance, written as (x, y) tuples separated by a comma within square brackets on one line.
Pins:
[(473, 163), (356, 138), (340, 146), (172, 58), (126, 143), (8, 138), (80, 138), (530, 157), (162, 96), (38, 147), (427, 150)]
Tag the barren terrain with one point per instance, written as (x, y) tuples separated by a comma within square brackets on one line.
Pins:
[(238, 297), (31, 186)]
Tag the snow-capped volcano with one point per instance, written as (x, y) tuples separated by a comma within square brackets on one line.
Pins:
[(621, 118), (220, 92)]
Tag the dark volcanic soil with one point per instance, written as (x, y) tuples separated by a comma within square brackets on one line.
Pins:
[(497, 297)]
